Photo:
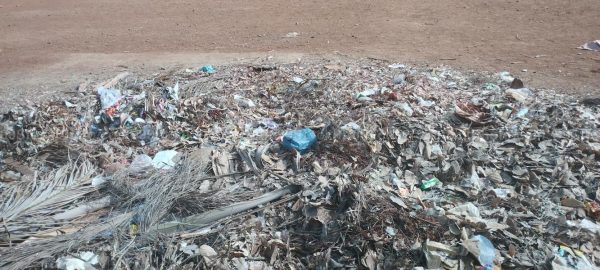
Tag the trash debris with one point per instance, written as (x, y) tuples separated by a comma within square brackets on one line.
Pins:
[(84, 261), (425, 103), (69, 104), (399, 79), (591, 46), (390, 231), (483, 249), (522, 95), (405, 107), (398, 201), (427, 184), (351, 126), (503, 193), (301, 140), (438, 255), (146, 135), (490, 87), (566, 258), (244, 102), (465, 210), (505, 76), (593, 210), (108, 97), (396, 66), (189, 249), (207, 253), (414, 168), (292, 34), (368, 92), (522, 112), (162, 160), (208, 69), (269, 123), (585, 224), (174, 91), (297, 79)]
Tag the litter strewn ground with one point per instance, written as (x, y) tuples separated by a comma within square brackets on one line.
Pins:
[(357, 164)]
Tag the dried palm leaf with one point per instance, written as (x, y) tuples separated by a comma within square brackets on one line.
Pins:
[(28, 254), (57, 154), (25, 207)]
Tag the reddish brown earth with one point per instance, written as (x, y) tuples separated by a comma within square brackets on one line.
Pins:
[(49, 46)]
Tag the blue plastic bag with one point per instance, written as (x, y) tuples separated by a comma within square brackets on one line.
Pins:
[(208, 69), (487, 252), (301, 139)]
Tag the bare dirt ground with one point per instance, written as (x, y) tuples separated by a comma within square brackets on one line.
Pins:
[(49, 46)]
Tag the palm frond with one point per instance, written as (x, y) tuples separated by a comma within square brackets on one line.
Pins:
[(25, 205), (24, 255)]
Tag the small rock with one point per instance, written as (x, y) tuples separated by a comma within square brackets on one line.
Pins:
[(516, 84)]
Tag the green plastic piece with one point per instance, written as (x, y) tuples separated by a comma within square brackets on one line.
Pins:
[(427, 184)]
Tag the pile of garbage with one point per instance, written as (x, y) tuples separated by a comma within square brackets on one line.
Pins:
[(314, 165)]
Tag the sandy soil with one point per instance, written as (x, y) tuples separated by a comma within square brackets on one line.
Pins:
[(51, 46)]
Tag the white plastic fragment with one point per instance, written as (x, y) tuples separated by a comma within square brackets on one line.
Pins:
[(351, 126), (425, 103), (208, 253), (85, 261), (244, 102), (174, 91), (297, 79), (405, 107), (69, 104), (467, 210), (506, 76), (99, 180), (368, 92), (522, 95), (585, 224), (566, 258), (591, 46), (164, 159), (108, 97), (189, 249), (397, 65), (502, 193)]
